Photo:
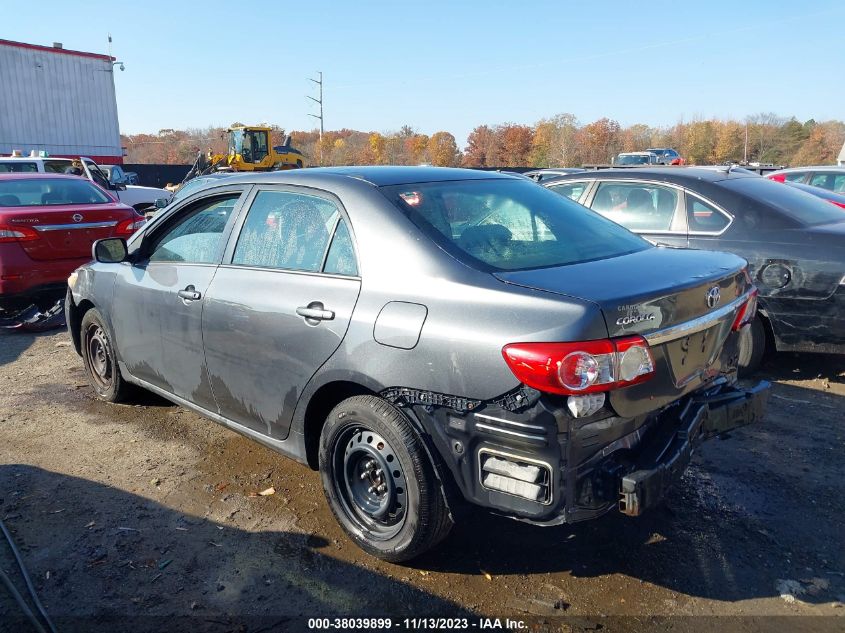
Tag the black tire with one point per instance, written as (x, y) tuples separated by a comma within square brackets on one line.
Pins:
[(752, 347), (379, 481), (100, 360)]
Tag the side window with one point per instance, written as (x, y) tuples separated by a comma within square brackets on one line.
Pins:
[(831, 181), (18, 167), (637, 206), (571, 190), (341, 257), (196, 238), (286, 230), (795, 176), (703, 217)]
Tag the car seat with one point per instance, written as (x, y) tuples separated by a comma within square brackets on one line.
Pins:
[(639, 200), (9, 200)]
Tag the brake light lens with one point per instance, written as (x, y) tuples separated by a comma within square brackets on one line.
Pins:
[(128, 227), (17, 233), (778, 177), (582, 367), (746, 313)]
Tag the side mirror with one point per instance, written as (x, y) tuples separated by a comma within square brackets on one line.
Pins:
[(160, 203), (111, 250)]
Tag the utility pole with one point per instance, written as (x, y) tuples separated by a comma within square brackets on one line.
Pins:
[(745, 153), (320, 116)]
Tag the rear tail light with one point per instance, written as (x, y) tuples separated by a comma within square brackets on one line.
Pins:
[(128, 227), (584, 367), (838, 204), (778, 177), (746, 312), (17, 233)]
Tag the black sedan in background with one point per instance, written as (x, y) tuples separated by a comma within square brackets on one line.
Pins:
[(794, 242)]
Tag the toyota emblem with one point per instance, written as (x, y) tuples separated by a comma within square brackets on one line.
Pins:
[(713, 297), (77, 217)]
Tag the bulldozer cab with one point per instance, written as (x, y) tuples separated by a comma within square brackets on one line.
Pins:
[(251, 144)]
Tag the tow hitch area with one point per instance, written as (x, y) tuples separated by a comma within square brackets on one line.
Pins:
[(705, 416)]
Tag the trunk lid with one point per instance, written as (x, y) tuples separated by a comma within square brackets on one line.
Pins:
[(65, 231), (682, 301)]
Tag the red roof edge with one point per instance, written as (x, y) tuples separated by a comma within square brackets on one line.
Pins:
[(51, 49)]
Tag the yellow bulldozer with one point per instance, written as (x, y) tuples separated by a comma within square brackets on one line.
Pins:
[(249, 149)]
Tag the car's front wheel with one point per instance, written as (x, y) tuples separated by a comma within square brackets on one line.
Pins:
[(100, 360), (379, 481)]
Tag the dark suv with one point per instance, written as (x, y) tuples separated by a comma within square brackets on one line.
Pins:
[(425, 338)]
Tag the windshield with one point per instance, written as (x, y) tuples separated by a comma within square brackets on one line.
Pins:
[(498, 225), (49, 191), (632, 160), (803, 207)]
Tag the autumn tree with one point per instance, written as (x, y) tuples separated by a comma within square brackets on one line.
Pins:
[(599, 141), (443, 150), (515, 144)]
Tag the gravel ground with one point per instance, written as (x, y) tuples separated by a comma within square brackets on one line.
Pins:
[(130, 517)]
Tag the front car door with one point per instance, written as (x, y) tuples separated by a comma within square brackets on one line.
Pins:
[(279, 306), (158, 298), (653, 210)]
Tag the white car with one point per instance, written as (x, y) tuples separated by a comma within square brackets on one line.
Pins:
[(141, 198)]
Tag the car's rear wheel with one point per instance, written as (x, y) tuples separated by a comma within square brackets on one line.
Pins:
[(752, 347), (100, 360), (379, 481)]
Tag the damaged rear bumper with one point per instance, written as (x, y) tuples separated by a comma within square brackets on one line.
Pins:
[(703, 417)]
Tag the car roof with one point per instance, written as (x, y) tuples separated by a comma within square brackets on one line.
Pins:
[(675, 173), (379, 176)]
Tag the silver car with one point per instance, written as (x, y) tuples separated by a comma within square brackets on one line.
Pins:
[(426, 338)]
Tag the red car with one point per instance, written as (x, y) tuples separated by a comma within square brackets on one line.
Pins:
[(48, 223)]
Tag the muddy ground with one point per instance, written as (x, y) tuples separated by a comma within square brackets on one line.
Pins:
[(131, 517)]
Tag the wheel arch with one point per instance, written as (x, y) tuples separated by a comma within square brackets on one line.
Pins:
[(75, 314)]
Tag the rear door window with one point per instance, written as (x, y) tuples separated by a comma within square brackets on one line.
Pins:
[(831, 181), (703, 217), (292, 231), (795, 176), (18, 167), (572, 190), (638, 206)]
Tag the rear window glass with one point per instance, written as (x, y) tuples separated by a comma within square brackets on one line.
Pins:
[(804, 208), (49, 191), (510, 225)]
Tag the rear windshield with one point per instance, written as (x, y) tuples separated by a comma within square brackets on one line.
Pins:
[(803, 207), (49, 191), (499, 225)]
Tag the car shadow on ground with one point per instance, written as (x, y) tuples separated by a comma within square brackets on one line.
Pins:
[(797, 366), (124, 562)]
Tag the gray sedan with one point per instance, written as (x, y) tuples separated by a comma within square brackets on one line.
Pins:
[(426, 338)]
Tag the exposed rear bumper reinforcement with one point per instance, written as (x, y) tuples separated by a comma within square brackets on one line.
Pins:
[(705, 416)]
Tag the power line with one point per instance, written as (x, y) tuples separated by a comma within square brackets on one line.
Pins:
[(320, 116)]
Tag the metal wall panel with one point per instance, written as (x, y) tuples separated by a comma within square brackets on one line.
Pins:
[(58, 102)]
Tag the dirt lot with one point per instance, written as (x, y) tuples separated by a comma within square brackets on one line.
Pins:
[(142, 515)]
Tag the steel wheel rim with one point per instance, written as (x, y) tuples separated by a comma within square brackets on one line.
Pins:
[(370, 482), (97, 358)]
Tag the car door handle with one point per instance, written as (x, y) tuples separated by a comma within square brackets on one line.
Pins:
[(315, 311), (189, 294)]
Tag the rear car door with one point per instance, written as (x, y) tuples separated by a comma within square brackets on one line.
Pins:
[(158, 298), (653, 210), (706, 222), (279, 306)]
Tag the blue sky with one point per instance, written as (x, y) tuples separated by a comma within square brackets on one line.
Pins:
[(453, 65)]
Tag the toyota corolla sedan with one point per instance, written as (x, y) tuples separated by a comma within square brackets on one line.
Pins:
[(426, 338)]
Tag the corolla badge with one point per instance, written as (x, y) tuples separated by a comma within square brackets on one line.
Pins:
[(630, 319), (714, 295), (77, 217)]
